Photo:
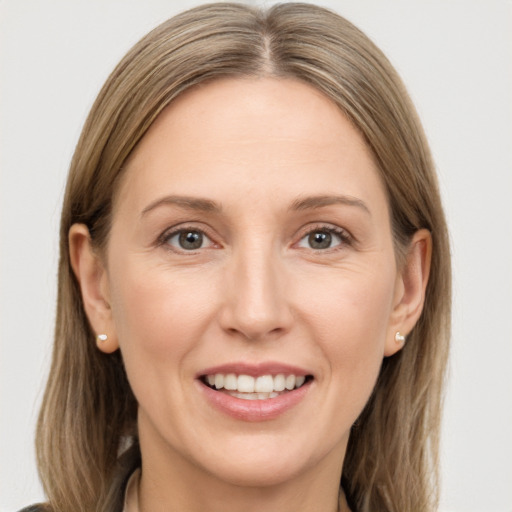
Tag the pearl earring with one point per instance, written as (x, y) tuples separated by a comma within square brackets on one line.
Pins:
[(399, 338), (101, 338)]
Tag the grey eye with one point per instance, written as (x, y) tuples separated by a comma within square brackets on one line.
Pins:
[(188, 240), (320, 240)]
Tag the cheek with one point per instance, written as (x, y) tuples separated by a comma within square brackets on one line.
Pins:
[(351, 317), (159, 320), (158, 317), (353, 307)]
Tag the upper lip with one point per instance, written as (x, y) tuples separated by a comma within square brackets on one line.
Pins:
[(254, 369)]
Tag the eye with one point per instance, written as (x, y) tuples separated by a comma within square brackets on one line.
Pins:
[(323, 238), (188, 240)]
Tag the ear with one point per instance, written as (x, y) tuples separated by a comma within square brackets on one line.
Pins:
[(410, 289), (92, 277)]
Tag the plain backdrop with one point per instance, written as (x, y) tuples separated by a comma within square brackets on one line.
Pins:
[(456, 59)]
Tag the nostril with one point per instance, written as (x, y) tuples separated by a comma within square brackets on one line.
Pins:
[(255, 332)]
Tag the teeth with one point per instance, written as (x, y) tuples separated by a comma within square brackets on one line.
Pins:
[(279, 382), (230, 381), (245, 384), (245, 396), (254, 396), (264, 384), (219, 380), (290, 382), (252, 388), (299, 380)]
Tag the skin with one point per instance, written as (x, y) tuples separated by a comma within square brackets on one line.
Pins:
[(255, 291)]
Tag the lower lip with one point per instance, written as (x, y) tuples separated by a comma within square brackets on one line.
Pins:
[(254, 410)]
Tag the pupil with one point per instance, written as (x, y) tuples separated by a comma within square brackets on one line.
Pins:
[(320, 240), (191, 240)]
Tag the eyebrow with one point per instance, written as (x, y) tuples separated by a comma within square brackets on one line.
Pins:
[(311, 202), (186, 203), (208, 206)]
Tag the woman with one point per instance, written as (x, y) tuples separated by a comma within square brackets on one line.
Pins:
[(254, 281)]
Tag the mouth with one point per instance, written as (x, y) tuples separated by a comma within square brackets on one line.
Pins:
[(255, 392), (255, 387)]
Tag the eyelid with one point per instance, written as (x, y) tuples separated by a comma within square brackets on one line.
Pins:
[(163, 239), (344, 235)]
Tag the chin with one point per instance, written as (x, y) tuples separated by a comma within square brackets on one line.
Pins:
[(259, 473), (266, 461)]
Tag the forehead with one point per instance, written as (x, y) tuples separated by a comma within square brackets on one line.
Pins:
[(264, 109), (253, 133)]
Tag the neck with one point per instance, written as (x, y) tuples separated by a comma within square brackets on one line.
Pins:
[(171, 482), (233, 498)]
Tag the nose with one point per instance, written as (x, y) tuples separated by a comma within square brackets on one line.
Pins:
[(256, 304)]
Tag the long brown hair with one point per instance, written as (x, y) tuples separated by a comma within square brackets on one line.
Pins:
[(89, 412)]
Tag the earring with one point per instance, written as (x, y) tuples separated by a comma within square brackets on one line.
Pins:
[(101, 338), (399, 338)]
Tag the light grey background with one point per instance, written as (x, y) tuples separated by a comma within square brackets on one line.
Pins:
[(456, 59)]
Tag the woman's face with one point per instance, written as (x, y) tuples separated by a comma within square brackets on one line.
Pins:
[(251, 247)]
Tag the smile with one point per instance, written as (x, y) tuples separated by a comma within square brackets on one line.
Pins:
[(255, 392), (248, 387)]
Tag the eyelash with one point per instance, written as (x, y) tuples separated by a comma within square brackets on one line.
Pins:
[(344, 237), (166, 236)]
